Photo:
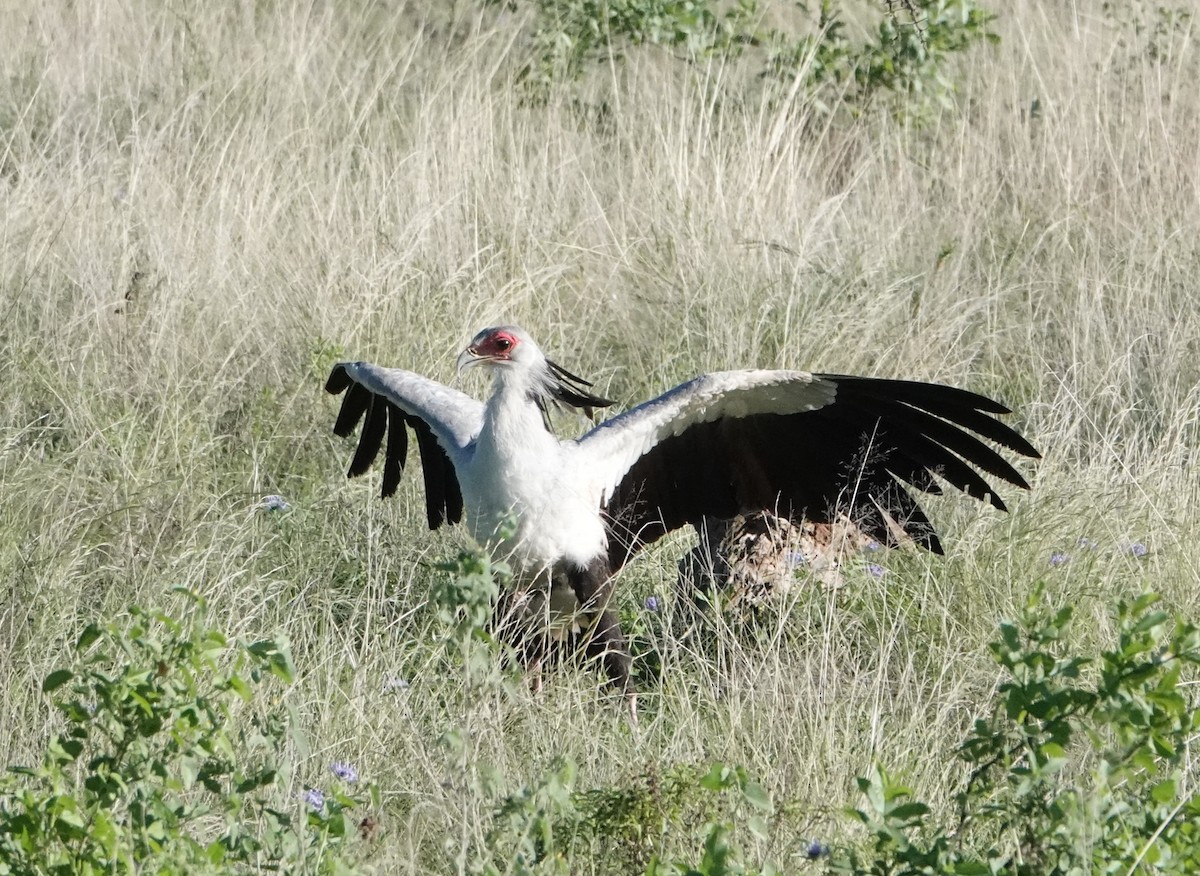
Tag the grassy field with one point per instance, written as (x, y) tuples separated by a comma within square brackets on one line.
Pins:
[(204, 207)]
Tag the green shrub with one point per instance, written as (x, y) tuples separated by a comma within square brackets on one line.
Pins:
[(172, 759), (549, 827), (906, 60), (1079, 769), (906, 55)]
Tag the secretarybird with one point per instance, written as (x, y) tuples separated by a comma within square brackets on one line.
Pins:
[(568, 514)]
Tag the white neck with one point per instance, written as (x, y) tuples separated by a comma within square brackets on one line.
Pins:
[(512, 421)]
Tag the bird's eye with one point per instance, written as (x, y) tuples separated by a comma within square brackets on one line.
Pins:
[(503, 343)]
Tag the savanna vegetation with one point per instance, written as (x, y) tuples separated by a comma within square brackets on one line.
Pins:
[(222, 656)]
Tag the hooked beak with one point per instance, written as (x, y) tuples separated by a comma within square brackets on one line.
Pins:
[(468, 358)]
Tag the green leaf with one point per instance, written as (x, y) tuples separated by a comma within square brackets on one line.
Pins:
[(717, 778), (756, 795), (972, 868), (56, 679), (906, 811), (89, 635), (64, 750), (239, 686), (258, 780), (336, 825), (1053, 753), (1140, 604), (70, 816), (759, 827), (1163, 792)]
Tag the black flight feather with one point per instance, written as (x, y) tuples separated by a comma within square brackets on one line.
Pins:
[(371, 438), (387, 424), (397, 451)]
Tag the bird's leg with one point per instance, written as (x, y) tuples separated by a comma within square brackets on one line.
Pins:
[(603, 639), (606, 642), (534, 672), (515, 623), (534, 649)]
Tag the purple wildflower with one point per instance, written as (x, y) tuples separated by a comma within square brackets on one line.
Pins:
[(1058, 558), (344, 771), (873, 545), (796, 559), (875, 570), (816, 850), (1138, 549), (315, 798), (654, 604), (274, 503), (1087, 544), (395, 684)]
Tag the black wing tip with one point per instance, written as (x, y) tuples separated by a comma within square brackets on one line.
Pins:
[(339, 379), (921, 393), (1009, 438), (941, 400), (370, 439), (355, 404), (1019, 445)]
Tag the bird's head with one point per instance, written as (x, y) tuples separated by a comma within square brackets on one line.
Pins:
[(504, 346), (511, 354)]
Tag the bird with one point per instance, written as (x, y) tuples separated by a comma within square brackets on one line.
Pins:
[(568, 514)]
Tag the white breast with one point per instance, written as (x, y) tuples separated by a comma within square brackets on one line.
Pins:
[(534, 486)]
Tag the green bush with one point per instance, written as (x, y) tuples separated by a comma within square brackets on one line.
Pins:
[(908, 60), (172, 759), (905, 56), (549, 827), (1079, 769)]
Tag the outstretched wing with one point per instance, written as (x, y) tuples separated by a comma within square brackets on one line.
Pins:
[(797, 444), (445, 421)]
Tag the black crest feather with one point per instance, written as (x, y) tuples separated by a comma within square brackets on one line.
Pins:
[(565, 389)]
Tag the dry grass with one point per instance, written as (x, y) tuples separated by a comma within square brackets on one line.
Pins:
[(202, 207)]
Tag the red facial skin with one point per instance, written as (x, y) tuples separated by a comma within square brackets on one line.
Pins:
[(498, 345)]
